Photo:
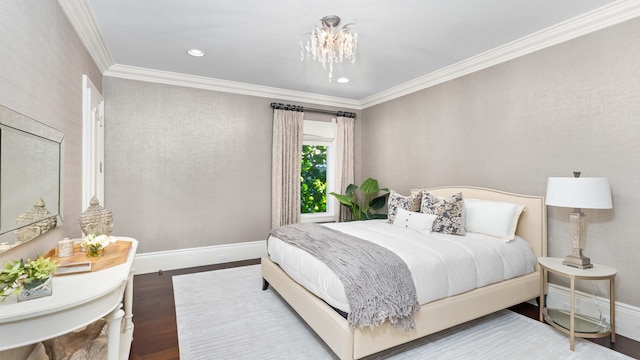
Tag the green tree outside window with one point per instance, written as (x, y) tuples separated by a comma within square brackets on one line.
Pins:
[(313, 179)]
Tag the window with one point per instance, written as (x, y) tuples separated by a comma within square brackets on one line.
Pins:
[(317, 171), (313, 179)]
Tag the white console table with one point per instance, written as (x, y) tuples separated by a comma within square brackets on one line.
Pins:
[(77, 301)]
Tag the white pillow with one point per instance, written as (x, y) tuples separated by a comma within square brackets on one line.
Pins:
[(494, 218), (414, 221)]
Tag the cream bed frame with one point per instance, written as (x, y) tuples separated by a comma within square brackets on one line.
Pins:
[(438, 315)]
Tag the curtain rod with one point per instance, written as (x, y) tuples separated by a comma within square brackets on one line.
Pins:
[(302, 109)]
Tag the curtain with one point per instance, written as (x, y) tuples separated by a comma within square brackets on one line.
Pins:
[(285, 171), (344, 163)]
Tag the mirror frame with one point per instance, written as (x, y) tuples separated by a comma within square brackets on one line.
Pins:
[(19, 122)]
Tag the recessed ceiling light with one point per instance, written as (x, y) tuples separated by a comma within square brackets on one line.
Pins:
[(196, 52), (343, 80)]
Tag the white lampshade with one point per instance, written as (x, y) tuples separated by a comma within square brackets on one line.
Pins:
[(579, 192)]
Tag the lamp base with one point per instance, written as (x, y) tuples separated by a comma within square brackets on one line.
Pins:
[(577, 260)]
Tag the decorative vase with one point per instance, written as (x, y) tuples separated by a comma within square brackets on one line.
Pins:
[(36, 289), (96, 219), (94, 251), (35, 228)]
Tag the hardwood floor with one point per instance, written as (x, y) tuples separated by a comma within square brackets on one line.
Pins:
[(156, 335)]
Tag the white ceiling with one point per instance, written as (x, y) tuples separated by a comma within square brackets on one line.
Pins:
[(257, 42)]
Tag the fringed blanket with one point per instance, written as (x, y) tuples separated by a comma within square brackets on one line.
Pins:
[(377, 282)]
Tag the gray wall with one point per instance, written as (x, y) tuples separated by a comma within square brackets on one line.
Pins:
[(574, 106), (41, 66), (187, 167)]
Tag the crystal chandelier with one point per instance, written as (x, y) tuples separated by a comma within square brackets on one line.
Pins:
[(329, 44)]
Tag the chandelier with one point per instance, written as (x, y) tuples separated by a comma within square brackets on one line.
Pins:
[(329, 44)]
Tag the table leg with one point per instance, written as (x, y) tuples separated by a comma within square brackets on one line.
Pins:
[(114, 323), (612, 308), (128, 303), (572, 321), (542, 288)]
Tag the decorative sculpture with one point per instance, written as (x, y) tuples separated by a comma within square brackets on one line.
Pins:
[(36, 228), (96, 220)]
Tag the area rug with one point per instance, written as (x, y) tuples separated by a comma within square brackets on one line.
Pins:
[(225, 314)]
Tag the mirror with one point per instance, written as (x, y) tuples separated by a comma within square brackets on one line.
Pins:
[(30, 178)]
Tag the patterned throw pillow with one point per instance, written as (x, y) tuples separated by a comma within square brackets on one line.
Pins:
[(449, 212), (410, 203)]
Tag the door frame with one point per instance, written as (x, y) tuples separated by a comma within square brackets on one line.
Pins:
[(92, 143)]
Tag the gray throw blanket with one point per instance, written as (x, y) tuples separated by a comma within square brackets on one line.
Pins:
[(377, 282)]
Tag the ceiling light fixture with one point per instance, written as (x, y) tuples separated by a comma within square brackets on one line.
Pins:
[(196, 52), (329, 44)]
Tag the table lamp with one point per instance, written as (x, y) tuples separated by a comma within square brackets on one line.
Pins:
[(578, 193)]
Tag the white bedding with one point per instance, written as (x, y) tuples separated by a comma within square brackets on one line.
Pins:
[(441, 265)]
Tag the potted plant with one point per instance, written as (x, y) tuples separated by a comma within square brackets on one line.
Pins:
[(95, 244), (29, 279), (361, 201)]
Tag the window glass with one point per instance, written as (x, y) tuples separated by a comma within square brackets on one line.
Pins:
[(313, 179), (317, 171)]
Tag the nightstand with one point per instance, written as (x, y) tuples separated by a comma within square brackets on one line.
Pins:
[(570, 323)]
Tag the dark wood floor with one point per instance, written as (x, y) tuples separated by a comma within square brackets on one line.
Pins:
[(156, 335)]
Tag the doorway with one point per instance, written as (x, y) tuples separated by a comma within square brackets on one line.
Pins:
[(92, 143)]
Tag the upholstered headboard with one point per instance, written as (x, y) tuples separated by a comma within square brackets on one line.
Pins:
[(532, 225)]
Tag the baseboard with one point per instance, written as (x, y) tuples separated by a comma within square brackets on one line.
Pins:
[(627, 316), (146, 263)]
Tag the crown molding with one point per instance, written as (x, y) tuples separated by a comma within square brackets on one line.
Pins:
[(206, 83), (612, 14), (83, 20)]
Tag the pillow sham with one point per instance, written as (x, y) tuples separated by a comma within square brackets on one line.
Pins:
[(494, 218), (398, 201), (449, 211), (414, 221)]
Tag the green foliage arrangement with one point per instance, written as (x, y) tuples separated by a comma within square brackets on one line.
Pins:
[(19, 273), (313, 180), (361, 201)]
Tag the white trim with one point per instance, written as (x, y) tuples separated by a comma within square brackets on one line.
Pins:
[(92, 143), (234, 87), (318, 217), (146, 263), (82, 19), (589, 22), (627, 316)]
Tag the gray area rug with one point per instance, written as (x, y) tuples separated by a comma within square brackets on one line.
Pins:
[(224, 314)]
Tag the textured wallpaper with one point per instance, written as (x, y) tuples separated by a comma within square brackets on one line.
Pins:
[(570, 107), (41, 65), (187, 167)]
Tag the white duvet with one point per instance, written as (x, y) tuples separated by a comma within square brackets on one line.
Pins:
[(441, 265)]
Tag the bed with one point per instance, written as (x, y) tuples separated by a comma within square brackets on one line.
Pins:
[(356, 343)]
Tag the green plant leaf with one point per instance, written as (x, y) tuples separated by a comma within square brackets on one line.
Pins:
[(360, 201), (351, 189), (369, 186), (378, 203), (343, 199)]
